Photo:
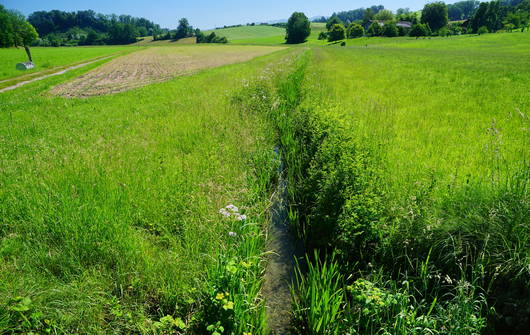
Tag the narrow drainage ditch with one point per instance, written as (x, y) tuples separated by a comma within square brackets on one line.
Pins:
[(284, 249)]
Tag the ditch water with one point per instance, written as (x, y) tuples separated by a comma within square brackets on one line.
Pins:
[(284, 249)]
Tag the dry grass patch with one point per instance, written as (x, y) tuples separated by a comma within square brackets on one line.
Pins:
[(155, 65)]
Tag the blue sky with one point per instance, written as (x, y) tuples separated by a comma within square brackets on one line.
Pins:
[(208, 13)]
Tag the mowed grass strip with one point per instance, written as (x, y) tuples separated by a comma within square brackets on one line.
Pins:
[(49, 58), (248, 32), (155, 65), (109, 206)]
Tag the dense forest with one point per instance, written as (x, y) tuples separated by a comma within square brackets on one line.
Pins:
[(58, 28)]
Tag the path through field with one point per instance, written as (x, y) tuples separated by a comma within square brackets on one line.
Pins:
[(58, 73), (155, 64)]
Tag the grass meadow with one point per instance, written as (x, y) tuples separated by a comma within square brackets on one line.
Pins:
[(146, 211), (409, 168), (109, 207), (48, 58)]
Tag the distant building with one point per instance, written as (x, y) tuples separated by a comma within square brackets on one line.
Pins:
[(381, 22), (404, 24)]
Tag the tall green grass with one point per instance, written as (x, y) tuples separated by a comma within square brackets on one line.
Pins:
[(411, 164), (109, 207)]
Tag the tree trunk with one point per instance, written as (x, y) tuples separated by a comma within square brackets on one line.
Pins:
[(29, 53)]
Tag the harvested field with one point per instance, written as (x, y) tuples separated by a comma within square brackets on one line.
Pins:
[(155, 65)]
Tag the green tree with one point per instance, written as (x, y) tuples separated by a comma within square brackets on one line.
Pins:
[(184, 29), (354, 30), (384, 15), (7, 34), (332, 21), (419, 30), (435, 15), (390, 30), (16, 31), (122, 33), (336, 33), (375, 29), (479, 19), (298, 28), (368, 16)]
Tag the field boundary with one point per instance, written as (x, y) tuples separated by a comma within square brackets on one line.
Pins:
[(11, 83)]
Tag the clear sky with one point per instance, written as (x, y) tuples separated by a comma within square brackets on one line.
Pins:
[(208, 13)]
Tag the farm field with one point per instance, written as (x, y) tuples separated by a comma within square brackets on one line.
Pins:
[(148, 210), (48, 58), (249, 32), (266, 35), (154, 65)]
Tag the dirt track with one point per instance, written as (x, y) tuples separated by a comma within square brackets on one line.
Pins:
[(155, 65), (35, 76)]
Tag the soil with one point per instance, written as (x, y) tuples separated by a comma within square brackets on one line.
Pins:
[(156, 64)]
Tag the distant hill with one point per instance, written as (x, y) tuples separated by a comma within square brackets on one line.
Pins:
[(251, 34), (262, 34)]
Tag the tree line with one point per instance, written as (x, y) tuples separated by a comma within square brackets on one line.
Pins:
[(435, 19), (185, 30), (86, 27)]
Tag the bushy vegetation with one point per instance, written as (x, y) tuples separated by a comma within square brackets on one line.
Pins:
[(336, 33), (416, 200)]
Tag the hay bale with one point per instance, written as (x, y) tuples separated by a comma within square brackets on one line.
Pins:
[(25, 66)]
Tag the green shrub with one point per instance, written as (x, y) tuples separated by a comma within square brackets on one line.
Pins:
[(390, 30), (336, 33), (323, 35), (354, 30), (375, 29), (482, 30), (419, 30)]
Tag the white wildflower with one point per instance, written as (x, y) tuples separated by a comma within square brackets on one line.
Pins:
[(232, 234), (232, 208)]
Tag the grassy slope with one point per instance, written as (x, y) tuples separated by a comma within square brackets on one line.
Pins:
[(47, 58), (148, 41), (248, 32), (109, 205)]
